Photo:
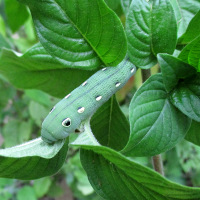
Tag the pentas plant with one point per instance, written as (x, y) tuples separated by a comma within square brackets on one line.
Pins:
[(77, 38)]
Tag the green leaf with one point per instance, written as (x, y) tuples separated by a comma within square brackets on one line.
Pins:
[(191, 53), (187, 11), (41, 186), (113, 176), (186, 97), (13, 9), (192, 31), (79, 33), (25, 193), (38, 112), (156, 125), (3, 27), (193, 134), (32, 160), (25, 130), (7, 93), (110, 126), (173, 69), (39, 70), (39, 96), (10, 133), (125, 5), (147, 28), (4, 42)]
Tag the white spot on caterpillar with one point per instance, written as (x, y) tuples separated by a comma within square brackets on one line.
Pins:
[(81, 110), (67, 96), (132, 70), (66, 122), (52, 109), (98, 98), (104, 69), (117, 84), (84, 83)]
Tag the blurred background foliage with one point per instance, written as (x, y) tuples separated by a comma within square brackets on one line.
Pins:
[(22, 112)]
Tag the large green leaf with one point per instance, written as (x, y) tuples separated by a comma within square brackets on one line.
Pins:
[(79, 33), (13, 9), (173, 69), (186, 97), (193, 134), (151, 29), (114, 177), (156, 124), (110, 126), (191, 53), (192, 31), (36, 69), (32, 160)]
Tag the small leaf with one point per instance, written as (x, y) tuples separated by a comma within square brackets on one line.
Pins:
[(110, 171), (39, 70), (13, 9), (191, 54), (25, 193), (39, 97), (25, 129), (79, 33), (156, 125), (32, 160), (192, 31), (38, 112), (110, 126), (10, 133), (173, 69), (193, 133), (147, 28), (186, 97), (41, 186)]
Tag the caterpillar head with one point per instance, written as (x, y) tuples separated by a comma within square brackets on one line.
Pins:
[(59, 123)]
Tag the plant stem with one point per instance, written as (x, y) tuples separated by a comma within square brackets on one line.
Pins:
[(156, 160), (157, 164)]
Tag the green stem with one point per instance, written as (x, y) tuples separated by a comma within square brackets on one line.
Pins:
[(156, 160)]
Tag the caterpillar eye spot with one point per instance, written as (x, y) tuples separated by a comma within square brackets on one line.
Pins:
[(66, 122)]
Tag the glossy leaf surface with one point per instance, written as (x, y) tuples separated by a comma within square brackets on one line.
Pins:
[(193, 133), (110, 126), (79, 33), (39, 70), (147, 28), (186, 97), (192, 31), (156, 125), (32, 160), (173, 69), (126, 179), (191, 53)]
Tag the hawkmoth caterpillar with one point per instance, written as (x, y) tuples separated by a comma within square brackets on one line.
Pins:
[(66, 116)]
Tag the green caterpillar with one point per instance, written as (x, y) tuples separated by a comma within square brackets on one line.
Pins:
[(67, 115)]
